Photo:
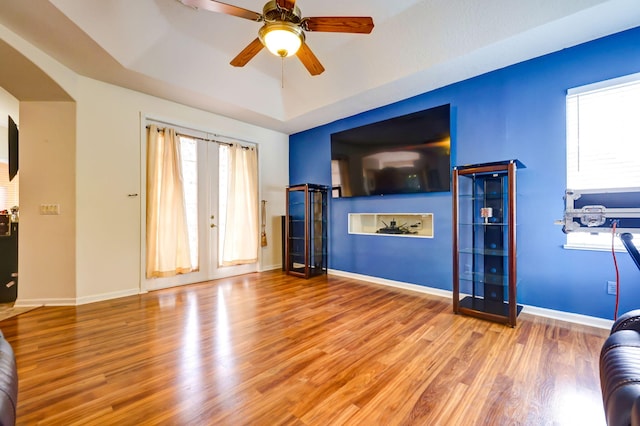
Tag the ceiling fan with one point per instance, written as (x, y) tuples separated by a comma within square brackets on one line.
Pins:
[(283, 29)]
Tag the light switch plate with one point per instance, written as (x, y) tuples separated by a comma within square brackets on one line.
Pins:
[(49, 209)]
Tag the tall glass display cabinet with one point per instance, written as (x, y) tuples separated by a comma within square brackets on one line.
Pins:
[(306, 230), (484, 241)]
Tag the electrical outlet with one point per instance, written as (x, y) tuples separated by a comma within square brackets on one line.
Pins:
[(611, 287)]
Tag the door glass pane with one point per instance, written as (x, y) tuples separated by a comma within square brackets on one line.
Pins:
[(223, 185), (189, 155)]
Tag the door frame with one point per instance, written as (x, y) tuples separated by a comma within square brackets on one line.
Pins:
[(205, 275)]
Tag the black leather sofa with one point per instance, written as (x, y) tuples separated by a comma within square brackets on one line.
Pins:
[(620, 362), (8, 383), (620, 371)]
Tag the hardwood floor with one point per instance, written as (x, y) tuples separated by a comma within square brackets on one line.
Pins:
[(269, 349)]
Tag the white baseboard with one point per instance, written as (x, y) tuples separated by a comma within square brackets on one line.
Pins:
[(28, 303), (532, 310), (391, 283), (569, 317), (76, 301), (107, 296), (266, 268)]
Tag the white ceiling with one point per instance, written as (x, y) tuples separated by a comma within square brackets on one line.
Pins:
[(172, 51)]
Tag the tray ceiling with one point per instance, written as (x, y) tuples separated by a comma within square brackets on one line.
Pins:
[(172, 51)]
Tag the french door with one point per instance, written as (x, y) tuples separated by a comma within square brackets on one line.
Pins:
[(205, 184)]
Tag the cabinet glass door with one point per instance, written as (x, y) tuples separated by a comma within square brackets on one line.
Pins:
[(306, 230)]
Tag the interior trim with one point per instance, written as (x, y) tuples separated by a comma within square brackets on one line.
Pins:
[(533, 310)]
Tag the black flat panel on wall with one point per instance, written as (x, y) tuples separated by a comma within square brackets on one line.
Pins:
[(13, 148)]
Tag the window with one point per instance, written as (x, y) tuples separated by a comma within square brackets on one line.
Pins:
[(603, 143)]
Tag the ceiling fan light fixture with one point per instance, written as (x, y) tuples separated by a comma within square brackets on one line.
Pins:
[(283, 39)]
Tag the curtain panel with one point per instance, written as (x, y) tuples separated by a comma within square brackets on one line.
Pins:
[(167, 235), (241, 236)]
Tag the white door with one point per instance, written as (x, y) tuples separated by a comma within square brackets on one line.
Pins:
[(205, 214), (216, 196)]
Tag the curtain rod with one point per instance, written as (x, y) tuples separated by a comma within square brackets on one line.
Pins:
[(204, 139), (173, 125)]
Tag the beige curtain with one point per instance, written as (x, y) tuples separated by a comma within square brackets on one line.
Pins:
[(241, 234), (167, 234)]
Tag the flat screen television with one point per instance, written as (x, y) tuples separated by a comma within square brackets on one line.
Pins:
[(13, 148), (402, 155)]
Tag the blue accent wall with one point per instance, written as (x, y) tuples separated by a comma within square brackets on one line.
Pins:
[(515, 112)]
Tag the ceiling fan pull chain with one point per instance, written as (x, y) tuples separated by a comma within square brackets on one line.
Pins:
[(282, 72)]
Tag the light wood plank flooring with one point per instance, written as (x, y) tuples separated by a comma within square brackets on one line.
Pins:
[(269, 349)]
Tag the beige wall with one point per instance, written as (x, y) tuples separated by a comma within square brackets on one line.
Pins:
[(47, 248)]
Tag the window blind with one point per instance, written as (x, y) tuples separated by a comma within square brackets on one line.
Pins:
[(603, 137)]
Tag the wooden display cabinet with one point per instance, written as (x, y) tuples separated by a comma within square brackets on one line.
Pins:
[(306, 230), (484, 241)]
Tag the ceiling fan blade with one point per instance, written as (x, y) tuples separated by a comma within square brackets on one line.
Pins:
[(219, 7), (340, 24), (286, 4), (247, 53), (309, 60)]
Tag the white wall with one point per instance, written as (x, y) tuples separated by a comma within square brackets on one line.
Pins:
[(109, 169), (105, 255), (274, 177), (8, 106)]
